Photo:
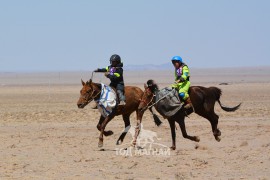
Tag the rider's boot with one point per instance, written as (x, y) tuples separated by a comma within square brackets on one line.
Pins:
[(121, 98), (188, 103)]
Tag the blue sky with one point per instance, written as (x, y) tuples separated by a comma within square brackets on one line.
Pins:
[(63, 35)]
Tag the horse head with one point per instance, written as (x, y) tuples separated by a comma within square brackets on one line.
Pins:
[(88, 92), (148, 95), (151, 84)]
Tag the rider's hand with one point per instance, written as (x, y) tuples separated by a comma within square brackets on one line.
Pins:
[(106, 74), (180, 80), (96, 70)]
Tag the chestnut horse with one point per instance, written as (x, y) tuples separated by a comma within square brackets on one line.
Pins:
[(91, 91), (203, 100)]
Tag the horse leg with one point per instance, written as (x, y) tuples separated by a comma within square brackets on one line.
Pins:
[(172, 126), (127, 127), (212, 117), (137, 132), (182, 125), (106, 133), (138, 126), (214, 123), (102, 128), (101, 119)]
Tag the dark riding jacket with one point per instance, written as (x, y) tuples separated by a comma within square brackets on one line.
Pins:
[(115, 75)]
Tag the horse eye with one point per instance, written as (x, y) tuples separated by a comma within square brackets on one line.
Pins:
[(89, 90)]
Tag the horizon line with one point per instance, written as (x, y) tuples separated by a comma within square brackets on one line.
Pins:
[(141, 69)]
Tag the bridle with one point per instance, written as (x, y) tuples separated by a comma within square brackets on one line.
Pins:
[(151, 101), (88, 101), (153, 96), (88, 95)]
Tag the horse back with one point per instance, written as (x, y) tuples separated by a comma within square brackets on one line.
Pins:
[(200, 94), (133, 96)]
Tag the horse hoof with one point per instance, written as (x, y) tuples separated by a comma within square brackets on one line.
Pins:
[(173, 148), (133, 144), (217, 132), (119, 142), (217, 139), (108, 133), (100, 144), (197, 138)]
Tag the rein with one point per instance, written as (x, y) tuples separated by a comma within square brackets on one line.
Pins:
[(94, 96), (86, 97), (147, 106)]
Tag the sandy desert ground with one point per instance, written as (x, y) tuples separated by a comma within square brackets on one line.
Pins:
[(45, 136)]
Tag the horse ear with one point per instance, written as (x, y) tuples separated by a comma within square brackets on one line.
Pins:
[(83, 83), (90, 81), (145, 86)]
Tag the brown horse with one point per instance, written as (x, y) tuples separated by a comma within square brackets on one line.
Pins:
[(203, 100), (91, 91)]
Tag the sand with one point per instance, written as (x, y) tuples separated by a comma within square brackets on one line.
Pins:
[(45, 136)]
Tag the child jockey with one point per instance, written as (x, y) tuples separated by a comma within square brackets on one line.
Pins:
[(115, 73), (182, 80)]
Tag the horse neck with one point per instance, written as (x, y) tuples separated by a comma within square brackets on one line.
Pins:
[(155, 95), (155, 92), (99, 89), (155, 89)]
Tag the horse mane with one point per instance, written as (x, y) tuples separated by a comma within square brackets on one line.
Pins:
[(151, 84), (96, 84)]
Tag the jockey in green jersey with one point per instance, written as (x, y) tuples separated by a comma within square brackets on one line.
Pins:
[(182, 80)]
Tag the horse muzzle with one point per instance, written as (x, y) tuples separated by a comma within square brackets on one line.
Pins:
[(81, 105)]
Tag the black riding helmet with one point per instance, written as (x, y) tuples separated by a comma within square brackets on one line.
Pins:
[(116, 58)]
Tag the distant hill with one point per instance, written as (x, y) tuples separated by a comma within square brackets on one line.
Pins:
[(149, 67)]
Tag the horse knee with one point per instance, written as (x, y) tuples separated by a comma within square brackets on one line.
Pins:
[(99, 127), (185, 135)]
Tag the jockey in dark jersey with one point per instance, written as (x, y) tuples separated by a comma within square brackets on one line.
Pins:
[(115, 73)]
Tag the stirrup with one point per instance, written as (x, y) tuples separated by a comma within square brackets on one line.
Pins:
[(122, 103), (188, 106)]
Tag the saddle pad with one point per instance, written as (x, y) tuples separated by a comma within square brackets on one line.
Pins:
[(167, 102), (107, 100)]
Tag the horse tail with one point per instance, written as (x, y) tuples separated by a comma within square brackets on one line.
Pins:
[(157, 121), (217, 92), (228, 109)]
